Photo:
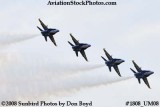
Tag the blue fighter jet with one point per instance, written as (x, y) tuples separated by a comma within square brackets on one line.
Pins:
[(79, 47), (112, 62), (48, 32), (141, 74)]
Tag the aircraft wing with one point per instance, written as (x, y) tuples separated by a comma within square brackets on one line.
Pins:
[(43, 25), (84, 55), (74, 40), (117, 70), (137, 67), (108, 55), (52, 39), (146, 82)]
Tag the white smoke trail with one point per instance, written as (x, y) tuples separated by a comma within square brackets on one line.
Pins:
[(88, 83), (34, 76), (35, 85), (7, 39), (75, 68), (40, 77), (24, 79)]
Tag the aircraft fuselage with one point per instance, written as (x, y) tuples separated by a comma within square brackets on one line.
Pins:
[(49, 32), (114, 62), (80, 47), (143, 73)]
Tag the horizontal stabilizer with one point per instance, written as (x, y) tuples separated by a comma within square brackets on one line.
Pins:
[(70, 43), (139, 80), (39, 28), (45, 37), (110, 69), (103, 58), (133, 70), (76, 53)]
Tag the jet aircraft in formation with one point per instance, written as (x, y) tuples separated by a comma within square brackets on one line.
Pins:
[(48, 32), (141, 74), (81, 47), (112, 62)]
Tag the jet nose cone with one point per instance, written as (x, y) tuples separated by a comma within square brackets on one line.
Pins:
[(57, 30), (152, 72), (89, 45), (122, 61)]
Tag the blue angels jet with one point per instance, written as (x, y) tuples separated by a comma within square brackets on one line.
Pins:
[(112, 62), (79, 47), (141, 74), (48, 32)]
